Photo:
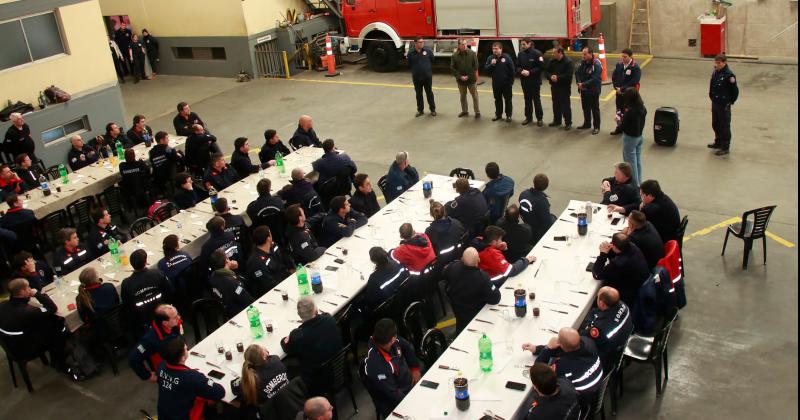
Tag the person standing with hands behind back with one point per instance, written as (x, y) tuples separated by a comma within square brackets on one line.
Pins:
[(633, 118), (421, 61), (501, 67), (464, 67), (559, 72)]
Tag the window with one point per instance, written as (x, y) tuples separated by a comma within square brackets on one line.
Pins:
[(81, 125), (29, 39), (199, 53)]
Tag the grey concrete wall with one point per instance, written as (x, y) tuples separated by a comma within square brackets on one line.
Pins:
[(608, 26), (101, 106), (237, 52), (751, 26), (17, 9)]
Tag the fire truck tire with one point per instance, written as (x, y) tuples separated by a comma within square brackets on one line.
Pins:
[(382, 56)]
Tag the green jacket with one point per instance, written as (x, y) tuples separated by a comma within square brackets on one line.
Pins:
[(465, 64)]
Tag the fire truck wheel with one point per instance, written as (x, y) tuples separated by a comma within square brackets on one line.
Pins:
[(382, 56)]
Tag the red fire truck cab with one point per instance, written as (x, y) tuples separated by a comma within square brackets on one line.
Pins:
[(384, 29)]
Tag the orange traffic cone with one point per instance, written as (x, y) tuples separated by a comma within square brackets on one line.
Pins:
[(331, 60), (474, 47), (601, 46)]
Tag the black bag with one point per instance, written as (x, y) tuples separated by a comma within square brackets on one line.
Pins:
[(21, 107), (56, 96), (79, 363)]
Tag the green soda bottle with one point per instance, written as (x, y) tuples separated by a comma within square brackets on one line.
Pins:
[(302, 280), (120, 152), (279, 164), (254, 317), (62, 171), (113, 248), (485, 349)]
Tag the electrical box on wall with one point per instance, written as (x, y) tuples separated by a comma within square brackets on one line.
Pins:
[(692, 42)]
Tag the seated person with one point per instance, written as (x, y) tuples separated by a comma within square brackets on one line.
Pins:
[(305, 136), (109, 140), (619, 191), (18, 218), (391, 367), (10, 183), (415, 251), (233, 223), (267, 266), (469, 207), (340, 222), (37, 272), (265, 204), (185, 196), (226, 285), (32, 329), (401, 177), (315, 341), (240, 159), (135, 181), (497, 191), (219, 174), (69, 257), (146, 356), (175, 262), (332, 163), (299, 190), (220, 239), (164, 160), (622, 266), (316, 408), (25, 172), (272, 145), (534, 206), (518, 235), (364, 199), (445, 233), (383, 282), (80, 155), (183, 393), (645, 236), (660, 210), (609, 324), (140, 132), (300, 239), (263, 376), (95, 298), (468, 288), (552, 397), (185, 120), (200, 145), (102, 231), (143, 291), (490, 248)]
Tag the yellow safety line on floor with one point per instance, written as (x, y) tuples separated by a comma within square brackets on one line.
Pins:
[(725, 223), (446, 323), (780, 240)]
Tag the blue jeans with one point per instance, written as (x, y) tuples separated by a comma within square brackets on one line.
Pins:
[(632, 153)]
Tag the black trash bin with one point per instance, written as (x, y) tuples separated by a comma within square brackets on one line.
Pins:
[(665, 126)]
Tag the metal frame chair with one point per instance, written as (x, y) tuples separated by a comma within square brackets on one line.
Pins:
[(749, 231)]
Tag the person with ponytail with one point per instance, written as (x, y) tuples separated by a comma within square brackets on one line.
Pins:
[(94, 298), (445, 234), (263, 375)]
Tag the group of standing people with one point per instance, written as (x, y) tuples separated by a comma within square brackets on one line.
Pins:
[(129, 52)]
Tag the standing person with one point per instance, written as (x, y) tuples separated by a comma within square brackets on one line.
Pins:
[(500, 66), (136, 54), (464, 67), (529, 68), (122, 37), (559, 72), (589, 77), (626, 74), (421, 61), (633, 118), (151, 46), (118, 58), (723, 92), (18, 138)]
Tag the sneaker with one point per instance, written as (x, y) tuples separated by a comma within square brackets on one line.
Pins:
[(419, 114), (583, 127), (722, 152), (539, 123), (595, 131), (496, 117), (568, 127), (554, 124), (433, 113), (477, 115), (526, 122), (463, 114)]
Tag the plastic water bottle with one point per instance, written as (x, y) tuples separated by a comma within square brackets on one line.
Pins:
[(254, 317), (589, 212), (212, 193), (179, 225), (62, 171), (485, 350), (113, 248), (316, 282), (302, 280), (120, 152), (279, 164), (44, 185), (57, 283)]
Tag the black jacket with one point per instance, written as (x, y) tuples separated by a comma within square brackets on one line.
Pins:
[(164, 161), (265, 270), (224, 241), (531, 60), (183, 391), (185, 199), (174, 266), (19, 219), (335, 227), (40, 277), (534, 207), (226, 285), (30, 181), (582, 367), (267, 152), (98, 238), (28, 328), (135, 138), (649, 242), (382, 284), (518, 238), (313, 343), (624, 77), (104, 297), (622, 194), (633, 121), (470, 209), (723, 88), (303, 245), (271, 378), (610, 330), (421, 63), (243, 165), (388, 374), (261, 206), (469, 289), (79, 159), (664, 215), (302, 138), (624, 272), (590, 73), (502, 71), (297, 191), (198, 150), (135, 177), (445, 235), (142, 292), (66, 261), (563, 69), (183, 126), (18, 141), (151, 45), (221, 179), (332, 164), (561, 406), (365, 203)]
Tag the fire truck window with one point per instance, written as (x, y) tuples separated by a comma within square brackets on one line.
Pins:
[(351, 2)]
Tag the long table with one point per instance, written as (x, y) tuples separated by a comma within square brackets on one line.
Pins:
[(564, 293), (84, 182), (187, 224), (339, 287)]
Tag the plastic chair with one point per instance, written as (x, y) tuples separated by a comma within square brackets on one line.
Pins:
[(383, 184), (20, 359), (79, 212), (413, 324), (111, 198), (343, 318), (334, 376), (462, 173), (273, 218), (49, 227), (651, 350), (140, 226), (432, 345), (111, 334), (679, 238), (748, 231), (362, 375), (211, 311), (597, 406), (53, 174), (164, 212)]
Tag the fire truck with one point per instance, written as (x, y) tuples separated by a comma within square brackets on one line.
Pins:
[(385, 29)]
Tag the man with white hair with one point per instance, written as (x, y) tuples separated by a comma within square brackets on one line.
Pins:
[(80, 155), (317, 408), (316, 340), (305, 134), (18, 138), (401, 177), (468, 288)]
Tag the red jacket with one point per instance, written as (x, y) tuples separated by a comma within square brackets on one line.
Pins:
[(494, 263), (14, 185), (415, 253)]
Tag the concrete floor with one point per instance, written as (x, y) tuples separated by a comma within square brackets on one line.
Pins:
[(737, 336)]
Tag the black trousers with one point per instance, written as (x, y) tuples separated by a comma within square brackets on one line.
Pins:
[(138, 67), (590, 102), (561, 105), (531, 92), (420, 84), (502, 95), (619, 102), (153, 62), (721, 123)]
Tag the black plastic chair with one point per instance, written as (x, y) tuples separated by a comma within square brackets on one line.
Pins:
[(164, 212), (111, 199), (383, 184), (362, 375), (80, 212), (111, 334), (413, 324), (597, 406), (20, 359), (343, 318), (27, 238), (273, 218), (333, 377), (462, 173), (211, 311), (679, 237), (140, 226), (748, 231), (432, 345), (50, 226), (52, 173), (652, 350)]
